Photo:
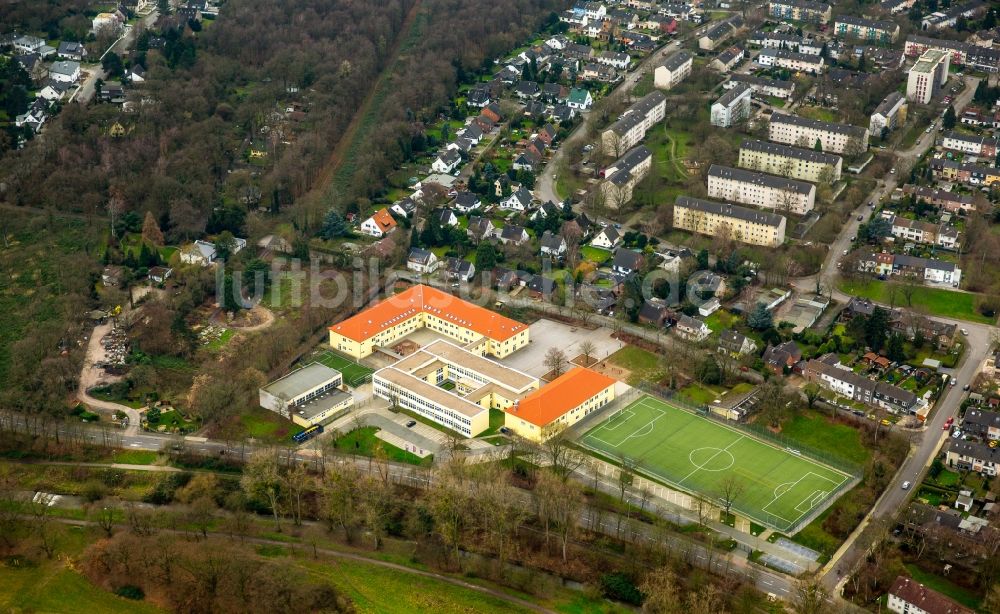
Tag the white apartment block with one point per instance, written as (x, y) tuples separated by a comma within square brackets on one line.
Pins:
[(927, 76), (803, 132), (762, 86), (623, 175), (793, 162), (732, 107), (791, 60), (889, 114), (674, 69), (761, 190), (629, 131), (744, 225)]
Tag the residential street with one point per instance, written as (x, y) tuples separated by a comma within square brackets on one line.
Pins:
[(545, 186)]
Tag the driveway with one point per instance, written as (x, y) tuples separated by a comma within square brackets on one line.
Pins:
[(91, 375)]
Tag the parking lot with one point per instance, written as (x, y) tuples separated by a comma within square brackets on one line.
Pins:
[(547, 334)]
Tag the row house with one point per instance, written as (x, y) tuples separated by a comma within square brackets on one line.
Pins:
[(800, 10), (832, 375), (762, 86), (851, 26), (976, 145), (927, 269), (924, 232), (791, 60), (944, 169), (949, 201), (972, 456), (982, 423)]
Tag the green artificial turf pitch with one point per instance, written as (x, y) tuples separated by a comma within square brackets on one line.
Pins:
[(777, 487), (354, 373)]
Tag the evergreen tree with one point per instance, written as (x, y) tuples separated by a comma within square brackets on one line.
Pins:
[(948, 121), (703, 259), (876, 329), (151, 230), (760, 318), (334, 225), (163, 7), (818, 146), (895, 349), (486, 256)]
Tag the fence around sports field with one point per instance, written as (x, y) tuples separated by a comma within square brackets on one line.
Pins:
[(688, 498)]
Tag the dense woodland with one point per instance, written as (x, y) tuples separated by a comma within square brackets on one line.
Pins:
[(225, 89)]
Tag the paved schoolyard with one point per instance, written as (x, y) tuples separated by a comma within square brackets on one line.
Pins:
[(546, 334)]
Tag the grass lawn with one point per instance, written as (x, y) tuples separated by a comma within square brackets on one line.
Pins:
[(354, 373), (595, 254), (219, 342), (933, 301), (44, 585), (263, 424), (497, 418), (644, 365), (818, 113), (720, 320), (133, 457), (943, 586), (109, 394), (378, 589), (696, 454), (699, 395), (363, 442), (814, 431)]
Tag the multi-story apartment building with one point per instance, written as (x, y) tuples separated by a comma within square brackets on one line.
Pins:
[(907, 596), (794, 162), (917, 45), (673, 70), (949, 201), (803, 132), (888, 115), (849, 26), (800, 10), (761, 190), (791, 60), (925, 79), (762, 86), (719, 33), (732, 107), (982, 146), (425, 307), (629, 131), (743, 225), (831, 374), (622, 176)]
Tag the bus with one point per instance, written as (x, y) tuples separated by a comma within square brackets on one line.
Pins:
[(308, 434)]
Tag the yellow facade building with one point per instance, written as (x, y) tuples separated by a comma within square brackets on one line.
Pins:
[(472, 326), (560, 404)]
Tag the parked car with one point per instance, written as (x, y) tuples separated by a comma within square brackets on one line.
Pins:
[(411, 424), (906, 485)]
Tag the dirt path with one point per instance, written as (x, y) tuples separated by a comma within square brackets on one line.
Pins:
[(91, 375), (339, 152)]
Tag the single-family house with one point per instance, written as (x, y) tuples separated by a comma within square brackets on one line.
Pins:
[(159, 274), (446, 217), (736, 344), (780, 357), (512, 233), (627, 262), (422, 261), (607, 238), (457, 269), (379, 224), (69, 50), (553, 245), (480, 228), (692, 329), (447, 161), (65, 71), (519, 200), (579, 99)]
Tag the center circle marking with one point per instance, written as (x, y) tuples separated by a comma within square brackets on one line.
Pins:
[(711, 459)]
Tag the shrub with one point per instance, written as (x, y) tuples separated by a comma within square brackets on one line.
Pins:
[(130, 591), (621, 587)]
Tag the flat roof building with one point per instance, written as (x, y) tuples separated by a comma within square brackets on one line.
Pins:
[(924, 81), (310, 395)]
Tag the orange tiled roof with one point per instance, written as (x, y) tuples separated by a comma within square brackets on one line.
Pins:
[(384, 219), (559, 396), (420, 298)]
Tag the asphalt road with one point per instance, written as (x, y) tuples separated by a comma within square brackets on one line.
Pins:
[(926, 445), (545, 186)]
